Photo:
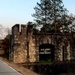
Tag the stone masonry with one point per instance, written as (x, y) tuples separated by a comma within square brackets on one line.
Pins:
[(25, 44)]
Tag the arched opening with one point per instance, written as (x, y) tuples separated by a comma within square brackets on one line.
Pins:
[(46, 52)]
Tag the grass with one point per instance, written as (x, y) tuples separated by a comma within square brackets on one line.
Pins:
[(46, 61)]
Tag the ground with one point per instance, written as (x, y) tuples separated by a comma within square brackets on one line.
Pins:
[(19, 67)]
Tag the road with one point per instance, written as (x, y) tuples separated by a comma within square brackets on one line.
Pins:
[(7, 70)]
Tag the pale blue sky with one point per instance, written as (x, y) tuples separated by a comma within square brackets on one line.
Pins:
[(19, 11)]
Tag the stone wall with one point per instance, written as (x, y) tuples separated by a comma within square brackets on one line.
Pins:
[(25, 44), (31, 45), (19, 46), (24, 49)]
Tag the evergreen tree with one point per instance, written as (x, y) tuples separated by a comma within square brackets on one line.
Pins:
[(42, 12), (35, 30), (50, 14)]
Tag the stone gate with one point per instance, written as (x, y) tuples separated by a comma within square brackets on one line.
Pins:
[(29, 47)]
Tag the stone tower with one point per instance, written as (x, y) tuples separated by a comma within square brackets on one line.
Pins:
[(22, 47)]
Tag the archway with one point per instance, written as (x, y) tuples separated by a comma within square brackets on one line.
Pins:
[(46, 52)]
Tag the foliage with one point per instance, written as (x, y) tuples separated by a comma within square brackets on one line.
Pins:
[(51, 15), (6, 44), (32, 23), (46, 62), (35, 30)]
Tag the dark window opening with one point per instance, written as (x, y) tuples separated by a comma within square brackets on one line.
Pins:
[(46, 52)]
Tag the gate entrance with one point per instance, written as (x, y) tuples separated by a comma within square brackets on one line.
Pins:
[(46, 52)]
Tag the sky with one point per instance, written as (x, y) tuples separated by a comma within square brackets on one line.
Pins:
[(20, 11)]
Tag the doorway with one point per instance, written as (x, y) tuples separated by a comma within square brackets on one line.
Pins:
[(46, 52)]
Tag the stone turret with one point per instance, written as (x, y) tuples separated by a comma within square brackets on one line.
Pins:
[(23, 47), (19, 40)]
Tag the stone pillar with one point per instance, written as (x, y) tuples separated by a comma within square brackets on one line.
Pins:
[(68, 52), (32, 50)]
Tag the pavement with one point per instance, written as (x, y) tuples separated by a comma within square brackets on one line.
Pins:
[(7, 70)]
